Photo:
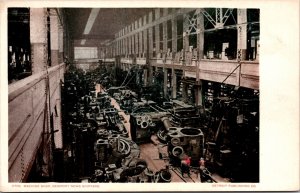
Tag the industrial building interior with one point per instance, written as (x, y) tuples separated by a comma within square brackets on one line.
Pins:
[(142, 95)]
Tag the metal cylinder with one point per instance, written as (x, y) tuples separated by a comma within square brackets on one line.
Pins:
[(166, 122)]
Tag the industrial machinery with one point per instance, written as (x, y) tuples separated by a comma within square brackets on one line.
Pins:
[(97, 142), (232, 139), (224, 133)]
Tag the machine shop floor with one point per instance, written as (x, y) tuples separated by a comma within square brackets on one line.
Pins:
[(150, 153)]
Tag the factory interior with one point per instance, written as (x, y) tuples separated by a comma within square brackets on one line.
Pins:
[(140, 95)]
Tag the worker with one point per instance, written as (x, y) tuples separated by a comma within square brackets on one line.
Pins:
[(202, 163), (201, 168), (185, 165)]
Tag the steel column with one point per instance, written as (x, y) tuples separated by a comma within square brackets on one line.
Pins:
[(174, 84), (174, 35), (157, 38), (242, 33), (38, 39), (54, 36)]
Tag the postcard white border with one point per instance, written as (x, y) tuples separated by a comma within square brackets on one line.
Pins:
[(279, 97)]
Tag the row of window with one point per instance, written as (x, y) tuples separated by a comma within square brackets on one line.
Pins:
[(214, 42)]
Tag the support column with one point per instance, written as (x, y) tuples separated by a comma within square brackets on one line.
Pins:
[(174, 35), (137, 77), (140, 38), (242, 34), (185, 35), (71, 52), (200, 35), (198, 93), (132, 44), (157, 39), (118, 44), (136, 39), (67, 48), (185, 91), (165, 43), (121, 47), (150, 75), (60, 44), (117, 47), (132, 40), (165, 82), (200, 48), (174, 84), (38, 39), (145, 37), (54, 37), (123, 42), (129, 45), (165, 46), (145, 77), (145, 42), (126, 46), (112, 50), (150, 36), (185, 40), (165, 32), (126, 41), (150, 51)]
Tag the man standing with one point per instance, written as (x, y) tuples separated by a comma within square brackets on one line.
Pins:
[(202, 167), (185, 165)]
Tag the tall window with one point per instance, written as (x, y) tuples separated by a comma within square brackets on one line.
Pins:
[(85, 52)]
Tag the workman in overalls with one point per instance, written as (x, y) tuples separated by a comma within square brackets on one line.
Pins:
[(185, 166), (201, 168)]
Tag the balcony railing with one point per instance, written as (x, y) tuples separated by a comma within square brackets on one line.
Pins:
[(28, 118)]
